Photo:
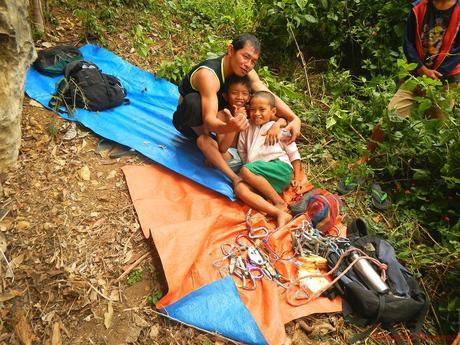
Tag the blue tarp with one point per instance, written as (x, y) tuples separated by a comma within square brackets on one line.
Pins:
[(144, 125), (217, 307)]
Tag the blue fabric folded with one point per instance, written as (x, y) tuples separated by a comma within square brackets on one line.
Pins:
[(217, 307)]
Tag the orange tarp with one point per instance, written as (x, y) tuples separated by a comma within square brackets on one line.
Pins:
[(188, 223)]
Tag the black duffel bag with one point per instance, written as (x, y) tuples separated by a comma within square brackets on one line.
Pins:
[(52, 61), (85, 86)]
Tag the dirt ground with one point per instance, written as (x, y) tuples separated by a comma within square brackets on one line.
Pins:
[(71, 233)]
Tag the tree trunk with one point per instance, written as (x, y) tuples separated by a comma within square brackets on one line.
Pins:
[(38, 17), (16, 53), (46, 10)]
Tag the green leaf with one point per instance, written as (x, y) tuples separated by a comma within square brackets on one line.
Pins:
[(452, 179), (421, 174), (143, 51), (330, 122), (411, 66), (301, 3), (424, 104), (310, 18), (410, 85), (154, 297), (398, 135)]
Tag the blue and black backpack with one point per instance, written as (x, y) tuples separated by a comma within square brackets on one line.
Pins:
[(85, 86), (402, 302)]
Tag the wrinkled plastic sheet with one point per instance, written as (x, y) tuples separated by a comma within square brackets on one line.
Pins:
[(188, 224), (144, 125), (217, 308)]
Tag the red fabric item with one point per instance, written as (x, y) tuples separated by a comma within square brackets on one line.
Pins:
[(324, 211)]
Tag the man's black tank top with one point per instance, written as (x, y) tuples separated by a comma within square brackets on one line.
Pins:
[(215, 65)]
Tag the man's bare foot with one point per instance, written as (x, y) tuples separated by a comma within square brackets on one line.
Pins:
[(283, 218), (208, 164), (236, 180)]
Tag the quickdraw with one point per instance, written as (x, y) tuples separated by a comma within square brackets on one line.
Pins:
[(251, 258)]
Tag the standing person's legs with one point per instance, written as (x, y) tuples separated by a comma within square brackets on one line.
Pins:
[(254, 200), (402, 102)]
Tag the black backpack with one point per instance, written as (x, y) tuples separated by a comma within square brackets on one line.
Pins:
[(404, 302), (53, 61), (85, 86)]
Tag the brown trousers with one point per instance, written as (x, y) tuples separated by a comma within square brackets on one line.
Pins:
[(403, 100)]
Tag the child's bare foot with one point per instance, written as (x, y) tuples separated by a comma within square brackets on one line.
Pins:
[(283, 218), (282, 206)]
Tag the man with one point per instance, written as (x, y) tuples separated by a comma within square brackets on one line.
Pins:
[(432, 42), (199, 112)]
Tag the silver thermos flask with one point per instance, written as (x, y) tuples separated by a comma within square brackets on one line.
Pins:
[(369, 275)]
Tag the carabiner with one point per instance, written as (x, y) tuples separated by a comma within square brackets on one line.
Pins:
[(229, 249), (260, 232), (245, 276), (243, 246)]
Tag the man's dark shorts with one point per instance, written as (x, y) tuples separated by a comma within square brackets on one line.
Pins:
[(188, 115)]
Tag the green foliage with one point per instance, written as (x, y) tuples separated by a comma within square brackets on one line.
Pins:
[(154, 297), (359, 34), (174, 70), (135, 277), (420, 152), (53, 129), (93, 27), (352, 104), (36, 34), (227, 17), (286, 90), (450, 311), (141, 41), (137, 4)]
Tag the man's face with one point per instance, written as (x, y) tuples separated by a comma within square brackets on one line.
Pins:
[(237, 95), (243, 60)]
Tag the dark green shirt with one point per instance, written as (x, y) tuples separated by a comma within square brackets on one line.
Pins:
[(214, 65)]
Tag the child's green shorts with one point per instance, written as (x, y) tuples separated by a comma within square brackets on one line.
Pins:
[(277, 173)]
